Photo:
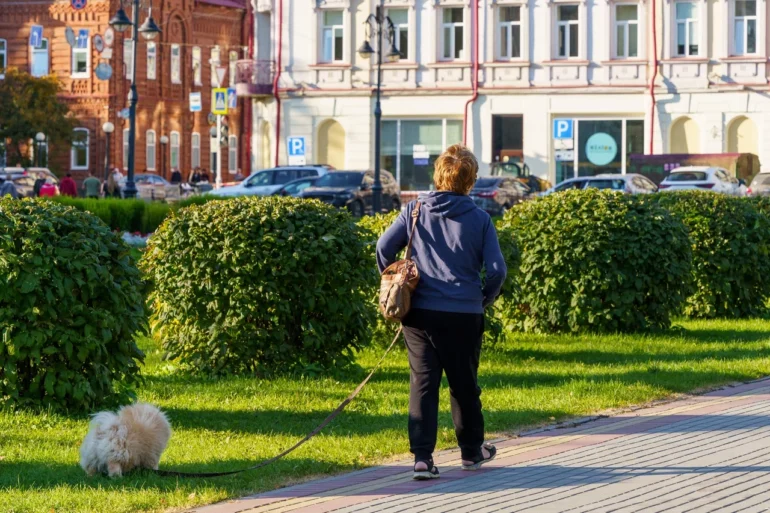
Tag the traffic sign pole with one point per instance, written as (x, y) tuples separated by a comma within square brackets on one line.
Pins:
[(219, 152)]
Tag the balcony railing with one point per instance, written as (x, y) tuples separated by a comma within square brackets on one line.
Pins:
[(254, 78)]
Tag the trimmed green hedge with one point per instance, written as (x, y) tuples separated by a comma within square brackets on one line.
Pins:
[(260, 284), (122, 214), (597, 261), (70, 304), (731, 252)]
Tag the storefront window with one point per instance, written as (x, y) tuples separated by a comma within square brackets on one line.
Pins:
[(599, 147), (410, 147)]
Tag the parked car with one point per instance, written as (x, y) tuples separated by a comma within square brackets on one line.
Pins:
[(628, 183), (24, 179), (295, 187), (152, 187), (495, 195), (269, 181), (715, 179), (353, 190), (760, 185)]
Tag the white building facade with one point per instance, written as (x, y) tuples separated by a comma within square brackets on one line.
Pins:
[(498, 74)]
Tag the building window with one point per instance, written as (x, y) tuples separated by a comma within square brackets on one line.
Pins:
[(174, 160), (176, 64), (40, 60), (745, 27), (3, 57), (196, 65), (128, 57), (152, 60), (81, 52), (452, 33), (686, 29), (400, 19), (150, 147), (3, 162), (626, 31), (79, 152), (232, 63), (333, 40), (509, 32), (568, 30), (401, 137), (126, 133), (232, 154), (215, 61), (196, 150)]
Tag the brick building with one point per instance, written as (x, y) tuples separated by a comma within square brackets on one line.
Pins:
[(195, 33)]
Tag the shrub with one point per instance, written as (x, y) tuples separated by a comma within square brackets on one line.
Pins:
[(597, 261), (259, 284), (372, 229), (133, 215), (70, 304), (731, 250), (199, 200)]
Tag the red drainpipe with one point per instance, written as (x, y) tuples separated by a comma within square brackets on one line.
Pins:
[(276, 92), (475, 67), (249, 104), (655, 72)]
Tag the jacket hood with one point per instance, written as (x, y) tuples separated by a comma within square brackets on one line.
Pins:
[(447, 204)]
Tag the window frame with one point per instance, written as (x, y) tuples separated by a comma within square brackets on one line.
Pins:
[(128, 56), (152, 60), (73, 152), (232, 154), (195, 150), (47, 51), (171, 150), (175, 62), (154, 147), (334, 29), (214, 63), (733, 21), (626, 24), (126, 136), (499, 25), (691, 25), (77, 51), (4, 53), (232, 60), (452, 26), (398, 28), (197, 65), (568, 24)]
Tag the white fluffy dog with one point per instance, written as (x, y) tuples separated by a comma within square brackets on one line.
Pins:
[(135, 437)]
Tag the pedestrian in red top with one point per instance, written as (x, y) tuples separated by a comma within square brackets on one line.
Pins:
[(68, 187)]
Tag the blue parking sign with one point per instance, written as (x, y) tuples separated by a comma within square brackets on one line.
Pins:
[(562, 128), (36, 36), (296, 146), (82, 41)]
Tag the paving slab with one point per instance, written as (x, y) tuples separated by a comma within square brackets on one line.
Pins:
[(699, 454)]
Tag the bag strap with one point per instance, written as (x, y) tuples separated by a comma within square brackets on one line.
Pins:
[(415, 215)]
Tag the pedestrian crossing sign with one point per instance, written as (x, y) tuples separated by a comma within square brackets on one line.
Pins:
[(219, 101)]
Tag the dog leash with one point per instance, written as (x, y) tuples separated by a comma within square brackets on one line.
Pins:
[(326, 421)]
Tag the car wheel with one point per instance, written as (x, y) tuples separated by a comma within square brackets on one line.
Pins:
[(396, 205), (356, 209)]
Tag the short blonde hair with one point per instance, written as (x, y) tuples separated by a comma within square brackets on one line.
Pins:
[(456, 170)]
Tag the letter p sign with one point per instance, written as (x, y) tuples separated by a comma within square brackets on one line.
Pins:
[(562, 129)]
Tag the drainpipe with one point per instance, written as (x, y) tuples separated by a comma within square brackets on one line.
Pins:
[(474, 67), (276, 92), (655, 72)]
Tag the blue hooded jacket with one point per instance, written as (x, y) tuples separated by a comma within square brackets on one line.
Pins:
[(455, 239)]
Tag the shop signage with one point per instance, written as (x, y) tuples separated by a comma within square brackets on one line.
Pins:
[(562, 128), (564, 155), (601, 149), (196, 102), (296, 147)]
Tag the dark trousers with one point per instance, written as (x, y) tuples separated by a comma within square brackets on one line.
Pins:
[(444, 342)]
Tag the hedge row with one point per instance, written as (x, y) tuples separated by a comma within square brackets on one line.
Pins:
[(122, 214)]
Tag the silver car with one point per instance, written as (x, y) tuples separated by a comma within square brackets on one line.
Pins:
[(153, 187), (630, 184)]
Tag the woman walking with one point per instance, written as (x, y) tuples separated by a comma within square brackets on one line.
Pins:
[(454, 240)]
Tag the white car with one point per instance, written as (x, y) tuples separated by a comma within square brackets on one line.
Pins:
[(703, 178), (270, 181), (630, 184)]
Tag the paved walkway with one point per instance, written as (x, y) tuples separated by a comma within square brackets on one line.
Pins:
[(704, 453)]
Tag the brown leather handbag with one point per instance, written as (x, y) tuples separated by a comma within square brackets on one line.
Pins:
[(399, 280)]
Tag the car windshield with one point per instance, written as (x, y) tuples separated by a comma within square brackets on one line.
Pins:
[(485, 183), (262, 178), (576, 184), (615, 185), (688, 176), (338, 179), (762, 180)]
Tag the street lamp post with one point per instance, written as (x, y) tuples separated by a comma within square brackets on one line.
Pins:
[(376, 25), (107, 128), (149, 30), (163, 143), (40, 138)]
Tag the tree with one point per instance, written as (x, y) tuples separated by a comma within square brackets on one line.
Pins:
[(29, 105)]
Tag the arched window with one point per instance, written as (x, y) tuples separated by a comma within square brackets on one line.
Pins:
[(150, 146), (174, 150), (196, 150), (80, 145), (232, 154)]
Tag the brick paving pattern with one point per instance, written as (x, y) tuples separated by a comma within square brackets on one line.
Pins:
[(701, 454)]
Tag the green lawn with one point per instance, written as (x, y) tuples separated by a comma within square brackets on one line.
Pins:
[(229, 423)]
